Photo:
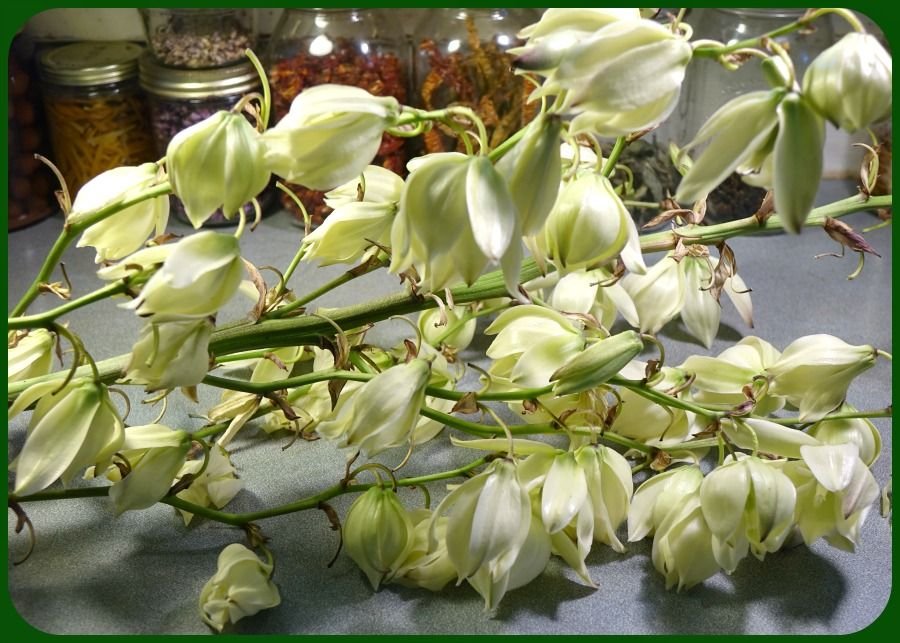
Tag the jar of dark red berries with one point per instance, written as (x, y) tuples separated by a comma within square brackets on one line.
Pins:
[(357, 47), (179, 98)]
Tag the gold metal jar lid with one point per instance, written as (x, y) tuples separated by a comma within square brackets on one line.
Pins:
[(171, 82), (83, 64)]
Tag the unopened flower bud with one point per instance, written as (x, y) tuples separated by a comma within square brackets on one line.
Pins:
[(682, 547), (767, 437), (122, 233), (32, 356), (378, 534), (431, 328), (851, 82), (797, 161), (199, 275), (737, 132), (597, 364), (329, 136), (241, 586), (216, 163), (659, 496), (532, 169)]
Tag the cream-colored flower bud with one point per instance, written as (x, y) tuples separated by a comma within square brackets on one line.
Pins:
[(156, 454), (797, 161), (382, 413), (536, 341), (347, 233), (171, 354), (748, 505), (199, 275), (560, 29), (625, 77), (378, 534), (588, 224), (329, 136), (69, 430), (217, 163), (701, 312), (427, 564), (532, 169), (660, 496), (835, 492), (815, 371), (32, 356), (488, 517), (121, 234), (597, 364), (851, 82), (241, 586), (683, 545), (215, 487), (741, 130), (857, 431), (658, 295)]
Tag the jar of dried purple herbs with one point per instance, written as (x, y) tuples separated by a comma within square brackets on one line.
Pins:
[(179, 98)]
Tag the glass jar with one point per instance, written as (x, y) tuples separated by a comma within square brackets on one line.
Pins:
[(460, 59), (95, 109), (31, 184), (344, 46), (199, 38), (708, 85), (179, 98)]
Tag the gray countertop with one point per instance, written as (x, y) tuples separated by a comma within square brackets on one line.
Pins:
[(142, 572)]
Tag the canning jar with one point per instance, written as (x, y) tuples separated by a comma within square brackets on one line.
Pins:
[(460, 59), (31, 184), (179, 98), (357, 47), (95, 109), (199, 38)]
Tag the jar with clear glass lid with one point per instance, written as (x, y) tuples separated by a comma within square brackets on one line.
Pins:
[(179, 98), (356, 47), (199, 38), (95, 109), (460, 59)]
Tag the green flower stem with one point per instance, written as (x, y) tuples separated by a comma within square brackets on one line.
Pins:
[(839, 415), (274, 333), (46, 319), (238, 520), (712, 234), (70, 232), (610, 165), (665, 400), (335, 374), (714, 51), (109, 370)]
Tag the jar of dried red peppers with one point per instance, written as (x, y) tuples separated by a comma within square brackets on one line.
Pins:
[(95, 109), (460, 59), (355, 47)]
